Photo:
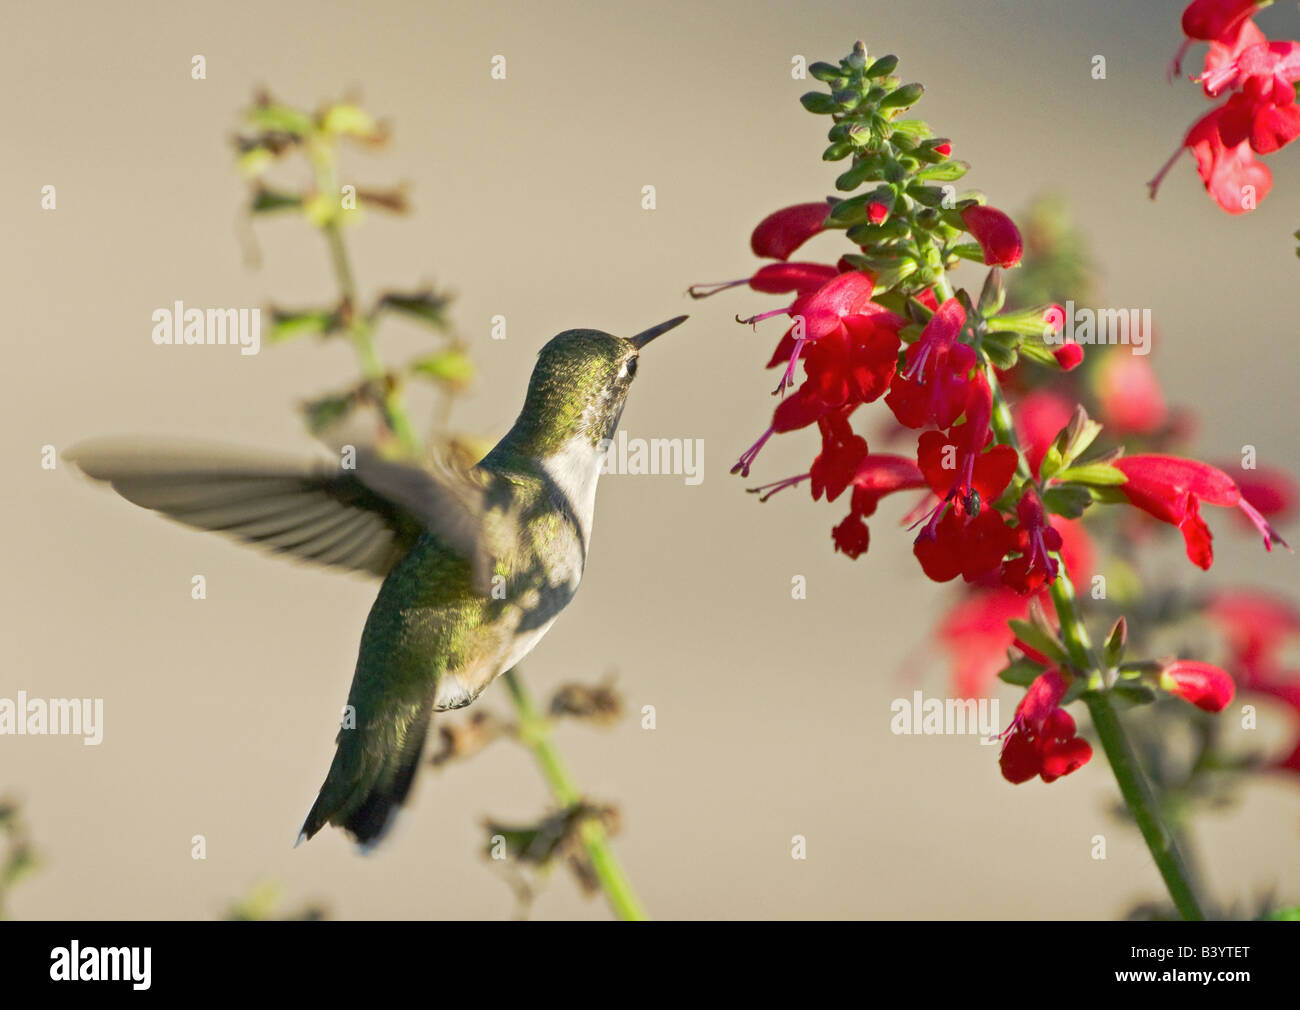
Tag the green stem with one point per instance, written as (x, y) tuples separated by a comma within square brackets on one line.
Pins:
[(1133, 784), (535, 732), (361, 335)]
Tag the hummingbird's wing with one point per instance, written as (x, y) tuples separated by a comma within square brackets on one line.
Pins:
[(363, 519)]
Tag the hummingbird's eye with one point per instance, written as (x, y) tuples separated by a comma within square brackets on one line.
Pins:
[(631, 368)]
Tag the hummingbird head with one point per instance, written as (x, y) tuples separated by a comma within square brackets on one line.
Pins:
[(578, 388)]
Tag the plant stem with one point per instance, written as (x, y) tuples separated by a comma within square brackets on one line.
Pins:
[(1133, 784), (535, 733), (359, 331)]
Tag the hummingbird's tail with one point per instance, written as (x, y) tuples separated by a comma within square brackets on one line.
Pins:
[(369, 779)]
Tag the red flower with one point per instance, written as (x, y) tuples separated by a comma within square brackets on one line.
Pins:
[(996, 233), (1216, 20), (1271, 490), (1041, 739), (956, 465), (959, 544), (821, 312), (1207, 687), (1224, 52), (782, 232), (1172, 489), (1231, 174), (935, 382), (775, 279), (1035, 540), (1256, 624), (1130, 397), (1069, 356), (1265, 120), (843, 452)]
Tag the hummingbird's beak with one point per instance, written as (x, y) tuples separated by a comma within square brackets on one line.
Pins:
[(644, 337)]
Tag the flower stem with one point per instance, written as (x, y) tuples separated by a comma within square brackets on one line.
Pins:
[(535, 732), (1133, 784)]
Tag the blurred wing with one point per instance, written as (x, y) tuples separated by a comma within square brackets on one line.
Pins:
[(363, 519)]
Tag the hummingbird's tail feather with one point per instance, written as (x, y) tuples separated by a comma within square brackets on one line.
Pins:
[(370, 779)]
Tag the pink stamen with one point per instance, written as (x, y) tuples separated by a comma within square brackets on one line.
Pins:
[(755, 320), (704, 290), (747, 457), (787, 379), (1176, 64), (767, 490), (1271, 536), (1154, 184)]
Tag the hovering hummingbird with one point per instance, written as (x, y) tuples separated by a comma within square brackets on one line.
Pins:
[(477, 562)]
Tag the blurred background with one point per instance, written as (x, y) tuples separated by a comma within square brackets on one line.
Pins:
[(772, 713)]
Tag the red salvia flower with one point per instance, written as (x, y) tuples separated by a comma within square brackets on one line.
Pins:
[(996, 233), (783, 231), (1230, 173), (1036, 539), (1205, 686), (1215, 20), (1130, 398), (1041, 739), (1172, 489), (935, 381)]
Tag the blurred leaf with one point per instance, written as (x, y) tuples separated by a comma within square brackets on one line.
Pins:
[(269, 115), (1021, 672), (598, 702), (288, 323), (267, 201), (426, 306), (451, 367), (325, 412)]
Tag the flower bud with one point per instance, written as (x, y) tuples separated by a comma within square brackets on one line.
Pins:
[(1205, 686)]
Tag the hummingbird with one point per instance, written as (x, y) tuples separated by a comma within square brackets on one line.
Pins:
[(477, 561)]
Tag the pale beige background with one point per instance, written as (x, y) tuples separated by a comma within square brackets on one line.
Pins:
[(773, 714)]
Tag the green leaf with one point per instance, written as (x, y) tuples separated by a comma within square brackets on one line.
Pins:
[(1036, 638), (818, 102), (325, 412), (268, 201), (1115, 643), (883, 67), (1138, 694), (904, 97), (280, 118), (1067, 500), (1001, 356), (285, 324), (349, 120), (1094, 475), (1021, 672), (993, 295), (426, 306), (945, 171), (969, 251), (451, 367), (826, 72)]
